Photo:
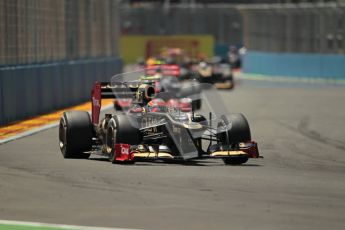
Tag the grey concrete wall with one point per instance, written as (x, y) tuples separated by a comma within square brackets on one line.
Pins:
[(29, 90)]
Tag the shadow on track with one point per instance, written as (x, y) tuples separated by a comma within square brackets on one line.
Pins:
[(198, 163)]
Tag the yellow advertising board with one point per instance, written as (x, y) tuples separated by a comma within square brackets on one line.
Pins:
[(133, 47)]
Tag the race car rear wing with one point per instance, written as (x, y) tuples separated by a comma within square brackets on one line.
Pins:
[(96, 99), (105, 90)]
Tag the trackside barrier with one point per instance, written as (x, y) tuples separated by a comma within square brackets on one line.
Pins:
[(326, 66), (30, 90)]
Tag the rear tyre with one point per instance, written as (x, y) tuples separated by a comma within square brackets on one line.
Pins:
[(75, 134), (238, 131)]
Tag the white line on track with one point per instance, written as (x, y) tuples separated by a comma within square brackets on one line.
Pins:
[(39, 129), (60, 226)]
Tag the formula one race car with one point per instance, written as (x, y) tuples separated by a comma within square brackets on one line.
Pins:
[(152, 80), (215, 72), (167, 127)]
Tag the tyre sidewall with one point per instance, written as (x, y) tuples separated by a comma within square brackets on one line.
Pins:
[(78, 134)]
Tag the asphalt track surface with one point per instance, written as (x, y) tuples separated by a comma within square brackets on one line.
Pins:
[(298, 185)]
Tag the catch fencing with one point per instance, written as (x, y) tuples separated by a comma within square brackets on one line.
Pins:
[(297, 40), (304, 27), (51, 51), (295, 28), (223, 22), (43, 31)]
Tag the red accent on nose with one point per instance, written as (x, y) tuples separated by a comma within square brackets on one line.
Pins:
[(123, 152)]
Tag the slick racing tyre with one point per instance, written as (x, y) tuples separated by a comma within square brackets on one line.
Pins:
[(127, 130), (122, 129), (75, 134), (238, 131), (238, 160)]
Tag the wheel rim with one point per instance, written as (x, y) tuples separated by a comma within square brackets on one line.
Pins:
[(111, 140), (223, 136)]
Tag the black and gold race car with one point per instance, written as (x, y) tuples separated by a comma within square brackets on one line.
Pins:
[(153, 126)]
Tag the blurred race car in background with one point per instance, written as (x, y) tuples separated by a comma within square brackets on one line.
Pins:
[(217, 72), (164, 127), (154, 79), (176, 62)]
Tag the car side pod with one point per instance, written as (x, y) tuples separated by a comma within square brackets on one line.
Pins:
[(123, 153)]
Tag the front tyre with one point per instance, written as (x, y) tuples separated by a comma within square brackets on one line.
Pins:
[(122, 129), (75, 134), (237, 132), (238, 129), (235, 160)]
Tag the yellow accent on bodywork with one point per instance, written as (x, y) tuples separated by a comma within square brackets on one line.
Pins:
[(225, 85), (227, 153), (152, 155)]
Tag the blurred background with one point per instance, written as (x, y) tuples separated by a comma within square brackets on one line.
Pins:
[(52, 51)]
